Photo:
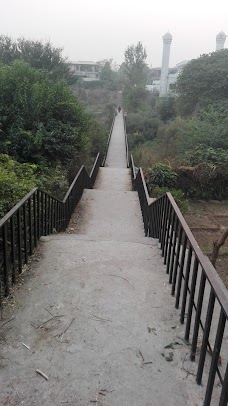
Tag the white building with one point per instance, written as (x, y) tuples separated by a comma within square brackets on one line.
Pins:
[(85, 69), (220, 40), (154, 83), (167, 40), (162, 80)]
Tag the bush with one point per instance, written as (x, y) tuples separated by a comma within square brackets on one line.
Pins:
[(166, 108), (177, 194), (144, 125), (161, 175), (204, 181), (216, 156), (42, 121), (145, 155), (15, 181)]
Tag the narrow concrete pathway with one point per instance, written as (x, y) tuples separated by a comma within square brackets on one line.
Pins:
[(95, 311)]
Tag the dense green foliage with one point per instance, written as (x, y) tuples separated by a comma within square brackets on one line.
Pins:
[(108, 76), (202, 80), (162, 175), (45, 132), (135, 56), (41, 121), (38, 54), (177, 194), (15, 181), (192, 132), (165, 108), (142, 128)]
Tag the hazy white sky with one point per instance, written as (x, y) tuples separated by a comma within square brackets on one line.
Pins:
[(102, 29)]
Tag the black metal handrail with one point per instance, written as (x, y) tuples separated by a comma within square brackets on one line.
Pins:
[(38, 213), (93, 174), (194, 283), (126, 139)]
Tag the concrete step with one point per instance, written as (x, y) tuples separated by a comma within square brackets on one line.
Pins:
[(116, 156), (70, 235), (108, 214), (113, 179)]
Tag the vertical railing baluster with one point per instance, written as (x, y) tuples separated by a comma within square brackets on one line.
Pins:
[(58, 217), (180, 275), (46, 214), (13, 246), (42, 213), (215, 358), (198, 315), (167, 238), (224, 394), (151, 230), (49, 214), (35, 225), (164, 220), (171, 241), (25, 229), (185, 290), (6, 260), (191, 298), (177, 259), (155, 219), (38, 214), (19, 242), (174, 249), (206, 334), (161, 212), (30, 226), (52, 214)]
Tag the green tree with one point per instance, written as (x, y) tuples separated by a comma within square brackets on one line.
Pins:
[(166, 108), (38, 54), (108, 76), (135, 56), (202, 81), (15, 181), (41, 121)]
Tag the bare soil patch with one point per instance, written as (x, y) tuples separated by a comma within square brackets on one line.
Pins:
[(207, 221)]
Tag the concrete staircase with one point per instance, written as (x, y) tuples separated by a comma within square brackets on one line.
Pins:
[(113, 336)]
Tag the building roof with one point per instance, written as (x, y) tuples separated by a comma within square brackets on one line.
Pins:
[(83, 63), (221, 35), (167, 35)]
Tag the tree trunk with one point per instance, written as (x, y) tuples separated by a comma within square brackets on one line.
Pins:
[(217, 245)]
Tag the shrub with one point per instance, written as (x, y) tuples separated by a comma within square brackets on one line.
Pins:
[(204, 181), (177, 194), (41, 121), (166, 108), (161, 175), (216, 156), (145, 156), (15, 181)]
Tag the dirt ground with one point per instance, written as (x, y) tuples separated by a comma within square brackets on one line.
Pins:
[(207, 221)]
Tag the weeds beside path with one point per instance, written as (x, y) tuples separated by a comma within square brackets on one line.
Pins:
[(206, 220)]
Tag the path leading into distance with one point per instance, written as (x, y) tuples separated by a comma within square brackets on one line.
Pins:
[(95, 310)]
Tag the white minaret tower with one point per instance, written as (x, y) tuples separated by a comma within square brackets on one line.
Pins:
[(220, 40), (167, 39)]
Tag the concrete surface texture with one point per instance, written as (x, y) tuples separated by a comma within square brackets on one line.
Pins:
[(94, 311)]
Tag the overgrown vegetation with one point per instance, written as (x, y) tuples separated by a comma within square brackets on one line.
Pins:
[(52, 128), (191, 132), (45, 132)]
